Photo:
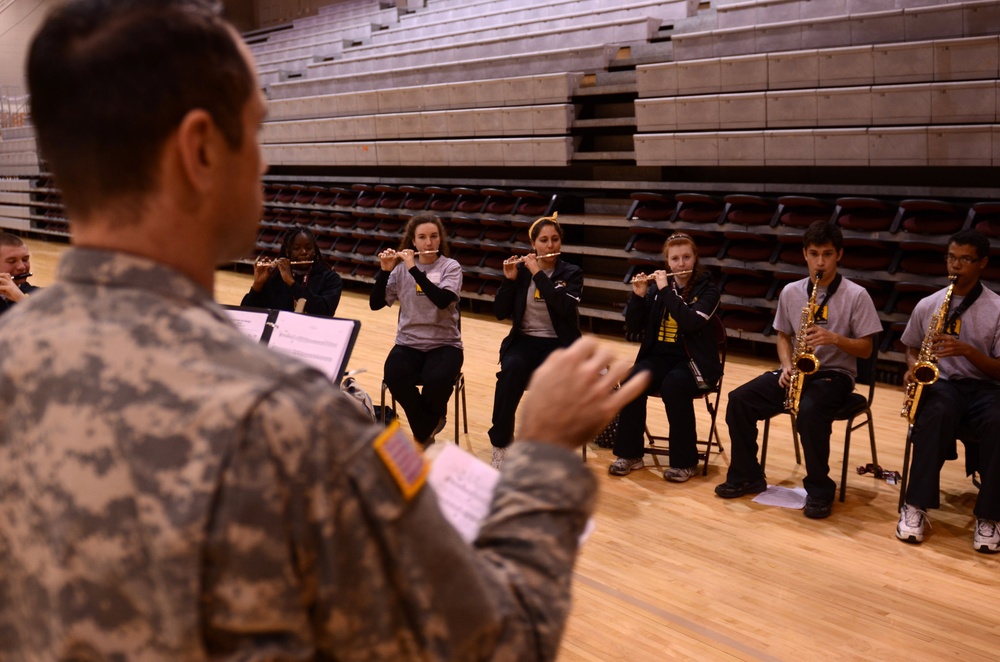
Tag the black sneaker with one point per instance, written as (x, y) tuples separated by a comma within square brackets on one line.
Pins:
[(817, 508), (732, 489)]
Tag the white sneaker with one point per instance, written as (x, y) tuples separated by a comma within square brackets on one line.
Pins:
[(678, 475), (498, 455), (986, 539), (911, 524), (624, 466)]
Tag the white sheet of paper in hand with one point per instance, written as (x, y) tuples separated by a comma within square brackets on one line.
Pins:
[(783, 497), (464, 485)]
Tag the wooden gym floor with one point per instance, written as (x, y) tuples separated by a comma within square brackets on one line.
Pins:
[(673, 572)]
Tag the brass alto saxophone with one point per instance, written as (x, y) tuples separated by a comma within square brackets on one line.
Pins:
[(804, 361), (925, 370)]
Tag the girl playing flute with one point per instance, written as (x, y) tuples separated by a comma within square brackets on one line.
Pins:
[(428, 348)]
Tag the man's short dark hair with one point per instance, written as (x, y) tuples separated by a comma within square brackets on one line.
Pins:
[(110, 80), (8, 239), (972, 237), (821, 233)]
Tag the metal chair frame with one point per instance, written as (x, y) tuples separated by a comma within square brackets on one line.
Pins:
[(849, 412)]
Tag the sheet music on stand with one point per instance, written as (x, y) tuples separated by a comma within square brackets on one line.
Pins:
[(323, 342)]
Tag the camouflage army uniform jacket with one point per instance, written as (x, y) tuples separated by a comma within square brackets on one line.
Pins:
[(171, 491)]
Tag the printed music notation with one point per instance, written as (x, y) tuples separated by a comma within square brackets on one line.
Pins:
[(323, 342), (464, 485)]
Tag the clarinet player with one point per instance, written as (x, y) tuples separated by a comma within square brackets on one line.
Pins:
[(15, 269), (843, 324), (965, 397)]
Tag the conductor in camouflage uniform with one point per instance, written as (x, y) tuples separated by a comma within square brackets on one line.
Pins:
[(171, 491)]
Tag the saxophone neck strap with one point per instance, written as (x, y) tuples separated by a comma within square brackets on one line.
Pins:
[(830, 291), (967, 302)]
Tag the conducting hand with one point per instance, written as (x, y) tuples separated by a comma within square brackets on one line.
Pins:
[(572, 395)]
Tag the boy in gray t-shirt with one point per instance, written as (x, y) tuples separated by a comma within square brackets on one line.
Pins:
[(964, 401), (844, 322)]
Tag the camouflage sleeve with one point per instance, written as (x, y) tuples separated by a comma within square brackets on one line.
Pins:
[(315, 549)]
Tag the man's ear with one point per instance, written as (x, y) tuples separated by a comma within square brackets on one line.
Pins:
[(197, 145)]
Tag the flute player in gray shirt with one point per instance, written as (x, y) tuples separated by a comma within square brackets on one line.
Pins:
[(428, 351)]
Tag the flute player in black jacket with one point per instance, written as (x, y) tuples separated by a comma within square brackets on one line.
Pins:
[(674, 307)]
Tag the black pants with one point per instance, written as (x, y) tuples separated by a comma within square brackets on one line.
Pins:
[(672, 377), (517, 365), (822, 395), (945, 407), (436, 369)]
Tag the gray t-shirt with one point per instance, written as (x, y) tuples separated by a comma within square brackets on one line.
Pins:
[(422, 325), (536, 321), (849, 312), (979, 326)]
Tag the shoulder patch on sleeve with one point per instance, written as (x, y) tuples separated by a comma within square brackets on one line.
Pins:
[(405, 462)]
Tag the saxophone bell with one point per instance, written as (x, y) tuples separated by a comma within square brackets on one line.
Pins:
[(925, 373), (807, 364)]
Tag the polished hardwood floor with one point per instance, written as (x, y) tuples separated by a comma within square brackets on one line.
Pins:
[(673, 572)]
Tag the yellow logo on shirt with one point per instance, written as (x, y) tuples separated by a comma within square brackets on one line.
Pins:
[(955, 328), (668, 329), (419, 290)]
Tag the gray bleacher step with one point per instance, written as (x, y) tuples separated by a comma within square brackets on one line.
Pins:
[(603, 90), (603, 122), (616, 207), (662, 51), (616, 78), (603, 156), (705, 19)]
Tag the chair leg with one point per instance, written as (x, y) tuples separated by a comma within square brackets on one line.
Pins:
[(459, 390), (906, 467), (382, 405), (847, 455), (712, 435), (763, 444), (465, 410), (460, 393), (795, 441), (871, 436)]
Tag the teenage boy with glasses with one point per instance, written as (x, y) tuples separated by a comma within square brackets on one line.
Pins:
[(965, 397)]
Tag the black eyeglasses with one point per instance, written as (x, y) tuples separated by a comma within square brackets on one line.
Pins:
[(891, 477), (964, 259)]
